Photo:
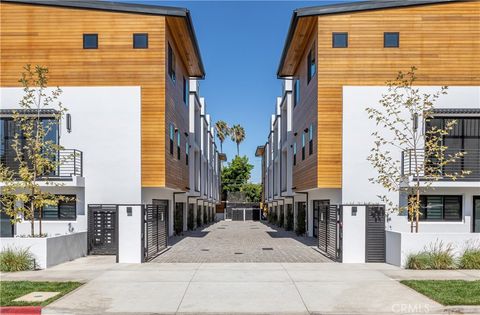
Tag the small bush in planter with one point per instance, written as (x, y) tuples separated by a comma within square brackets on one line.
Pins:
[(300, 230), (16, 259), (289, 224), (280, 220), (437, 256), (470, 259), (190, 222)]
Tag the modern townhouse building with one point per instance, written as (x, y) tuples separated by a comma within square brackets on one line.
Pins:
[(338, 58), (136, 122)]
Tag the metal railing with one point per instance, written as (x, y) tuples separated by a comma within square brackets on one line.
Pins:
[(70, 163), (470, 163)]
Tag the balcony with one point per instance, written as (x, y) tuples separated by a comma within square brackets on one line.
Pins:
[(470, 162), (70, 165)]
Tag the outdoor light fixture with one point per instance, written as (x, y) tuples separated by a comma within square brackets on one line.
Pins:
[(415, 121), (69, 123)]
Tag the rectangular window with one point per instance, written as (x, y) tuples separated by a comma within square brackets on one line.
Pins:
[(178, 145), (186, 91), (296, 92), (171, 132), (311, 63), (303, 146), (310, 140), (65, 210), (295, 153), (340, 40), (90, 41), (171, 64), (440, 208), (140, 41), (391, 40), (187, 151)]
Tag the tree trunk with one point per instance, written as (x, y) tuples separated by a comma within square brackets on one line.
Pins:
[(417, 214), (221, 147), (32, 221), (238, 149)]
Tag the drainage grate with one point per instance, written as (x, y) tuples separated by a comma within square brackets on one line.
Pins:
[(238, 253), (220, 228), (205, 250), (267, 248)]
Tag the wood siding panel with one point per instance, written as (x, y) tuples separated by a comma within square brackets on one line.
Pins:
[(53, 37), (442, 41), (304, 114)]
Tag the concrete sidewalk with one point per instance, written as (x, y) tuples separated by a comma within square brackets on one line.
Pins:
[(239, 288)]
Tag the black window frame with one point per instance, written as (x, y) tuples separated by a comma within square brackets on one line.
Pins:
[(85, 35), (424, 211), (171, 135), (295, 152), (296, 93), (186, 90), (187, 150), (135, 44), (311, 61), (338, 34), (60, 204), (385, 34), (171, 64), (179, 140), (303, 146), (310, 140)]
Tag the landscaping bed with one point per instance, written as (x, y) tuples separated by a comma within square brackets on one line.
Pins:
[(11, 290), (448, 292)]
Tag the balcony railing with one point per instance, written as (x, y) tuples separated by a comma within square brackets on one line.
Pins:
[(470, 163), (70, 163)]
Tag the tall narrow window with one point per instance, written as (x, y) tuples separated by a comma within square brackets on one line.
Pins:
[(340, 40), (140, 41), (310, 140), (171, 64), (171, 133), (179, 136), (187, 151), (296, 92), (391, 40), (303, 146), (295, 152), (186, 91), (90, 41), (311, 63)]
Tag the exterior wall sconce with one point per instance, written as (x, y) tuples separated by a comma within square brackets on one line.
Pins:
[(69, 123)]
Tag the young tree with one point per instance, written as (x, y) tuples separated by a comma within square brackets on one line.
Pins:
[(236, 174), (253, 192), (401, 111), (35, 157), (238, 135), (222, 132)]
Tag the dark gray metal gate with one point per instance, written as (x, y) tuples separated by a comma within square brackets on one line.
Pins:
[(375, 230), (329, 231), (155, 228), (102, 229)]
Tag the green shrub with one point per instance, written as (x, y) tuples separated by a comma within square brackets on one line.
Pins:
[(199, 218), (190, 221), (437, 256), (470, 259), (280, 219), (16, 259), (300, 229), (289, 223)]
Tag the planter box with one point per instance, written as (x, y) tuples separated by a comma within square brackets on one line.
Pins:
[(50, 251), (401, 244)]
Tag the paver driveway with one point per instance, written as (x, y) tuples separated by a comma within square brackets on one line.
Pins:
[(234, 241)]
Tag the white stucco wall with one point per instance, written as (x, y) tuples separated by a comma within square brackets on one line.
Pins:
[(357, 141), (130, 234), (401, 244), (106, 127), (354, 234)]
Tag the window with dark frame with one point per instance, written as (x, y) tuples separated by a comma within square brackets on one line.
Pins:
[(179, 136), (65, 210), (90, 41), (186, 90), (295, 152), (340, 40), (171, 64), (187, 151), (310, 140), (311, 64), (303, 146), (391, 39), (440, 208), (171, 133), (140, 41), (296, 92)]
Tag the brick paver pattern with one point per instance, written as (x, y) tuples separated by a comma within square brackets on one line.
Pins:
[(238, 241)]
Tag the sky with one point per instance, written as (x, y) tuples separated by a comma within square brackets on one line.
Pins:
[(241, 43)]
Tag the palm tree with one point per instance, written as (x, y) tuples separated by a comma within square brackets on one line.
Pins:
[(222, 132), (238, 135)]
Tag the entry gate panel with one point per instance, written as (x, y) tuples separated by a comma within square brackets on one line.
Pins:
[(375, 234), (156, 228), (329, 231), (102, 229)]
